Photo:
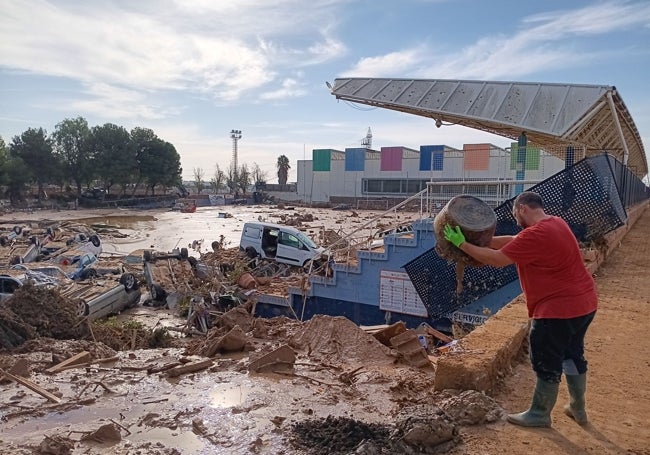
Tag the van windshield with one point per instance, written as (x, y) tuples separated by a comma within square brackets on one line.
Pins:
[(306, 240)]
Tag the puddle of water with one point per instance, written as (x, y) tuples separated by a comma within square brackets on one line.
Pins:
[(228, 398), (186, 442), (112, 221)]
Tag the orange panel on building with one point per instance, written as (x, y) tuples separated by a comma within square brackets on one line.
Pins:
[(476, 157)]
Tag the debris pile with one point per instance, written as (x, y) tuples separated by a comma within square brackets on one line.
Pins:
[(38, 312), (337, 339)]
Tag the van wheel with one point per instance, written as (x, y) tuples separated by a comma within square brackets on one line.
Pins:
[(129, 281), (192, 261), (251, 252), (184, 253), (158, 293), (95, 240)]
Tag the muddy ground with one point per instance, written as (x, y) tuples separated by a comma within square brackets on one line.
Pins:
[(346, 392)]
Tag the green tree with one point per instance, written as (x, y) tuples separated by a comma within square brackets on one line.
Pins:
[(283, 169), (34, 149), (160, 164), (114, 155), (71, 137), (18, 178), (142, 139), (4, 159)]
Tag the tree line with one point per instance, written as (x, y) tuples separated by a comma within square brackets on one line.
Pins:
[(76, 156)]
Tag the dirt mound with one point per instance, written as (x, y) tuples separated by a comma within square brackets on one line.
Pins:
[(471, 407), (334, 339), (38, 312)]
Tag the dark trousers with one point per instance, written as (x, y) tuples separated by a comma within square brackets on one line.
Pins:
[(558, 345)]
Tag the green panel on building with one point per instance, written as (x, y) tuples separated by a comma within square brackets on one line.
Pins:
[(532, 157), (321, 159)]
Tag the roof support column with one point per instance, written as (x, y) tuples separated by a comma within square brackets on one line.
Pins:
[(612, 107)]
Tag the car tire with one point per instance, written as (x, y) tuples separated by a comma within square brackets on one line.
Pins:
[(147, 256), (88, 273), (251, 252), (17, 230), (82, 309), (129, 281), (158, 293), (94, 239), (3, 241), (184, 254), (192, 261)]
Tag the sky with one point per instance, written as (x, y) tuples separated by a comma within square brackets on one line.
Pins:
[(194, 70)]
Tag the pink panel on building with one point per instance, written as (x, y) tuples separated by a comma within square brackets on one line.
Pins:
[(391, 159), (476, 157)]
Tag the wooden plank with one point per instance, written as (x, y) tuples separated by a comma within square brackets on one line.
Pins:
[(439, 335), (189, 368), (82, 357), (31, 386), (92, 362)]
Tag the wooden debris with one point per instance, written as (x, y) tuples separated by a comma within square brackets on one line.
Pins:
[(409, 346), (161, 368), (383, 333), (82, 357), (31, 386), (20, 368), (87, 364), (189, 368), (233, 341), (283, 355)]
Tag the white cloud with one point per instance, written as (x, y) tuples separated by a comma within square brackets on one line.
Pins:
[(544, 41), (385, 65), (291, 88), (214, 48)]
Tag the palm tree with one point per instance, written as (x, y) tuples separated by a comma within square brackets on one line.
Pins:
[(283, 169)]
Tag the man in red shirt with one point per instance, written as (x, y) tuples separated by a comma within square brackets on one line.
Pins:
[(561, 300)]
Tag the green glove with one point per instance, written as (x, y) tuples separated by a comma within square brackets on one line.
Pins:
[(454, 236)]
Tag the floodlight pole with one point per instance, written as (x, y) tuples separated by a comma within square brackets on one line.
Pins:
[(235, 135)]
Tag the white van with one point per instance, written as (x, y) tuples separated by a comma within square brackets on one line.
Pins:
[(280, 243)]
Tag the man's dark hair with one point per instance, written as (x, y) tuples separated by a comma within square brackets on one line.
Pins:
[(530, 199)]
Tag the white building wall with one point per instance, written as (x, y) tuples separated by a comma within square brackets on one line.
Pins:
[(321, 186)]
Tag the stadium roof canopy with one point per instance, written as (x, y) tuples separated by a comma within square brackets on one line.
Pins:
[(554, 116)]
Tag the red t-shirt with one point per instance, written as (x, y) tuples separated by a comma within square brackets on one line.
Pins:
[(551, 271)]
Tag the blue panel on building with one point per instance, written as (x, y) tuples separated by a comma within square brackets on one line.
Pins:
[(431, 157), (355, 159)]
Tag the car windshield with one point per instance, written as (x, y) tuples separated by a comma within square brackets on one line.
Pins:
[(306, 240)]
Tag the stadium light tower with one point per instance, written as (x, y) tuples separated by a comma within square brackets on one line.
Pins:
[(235, 135)]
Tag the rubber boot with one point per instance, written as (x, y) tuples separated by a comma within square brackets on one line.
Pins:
[(577, 384), (539, 414)]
